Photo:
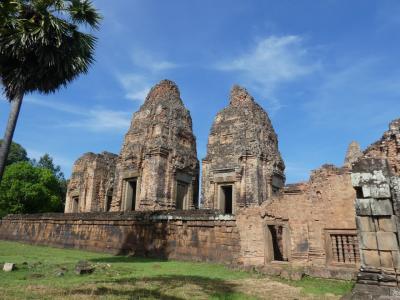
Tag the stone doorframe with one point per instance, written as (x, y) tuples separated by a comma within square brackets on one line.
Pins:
[(188, 180), (219, 187), (130, 176), (286, 242)]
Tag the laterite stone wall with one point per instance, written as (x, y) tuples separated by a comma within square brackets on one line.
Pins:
[(184, 235)]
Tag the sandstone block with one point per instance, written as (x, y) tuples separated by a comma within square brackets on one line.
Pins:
[(388, 224), (83, 267), (376, 191), (396, 259), (365, 223), (370, 258), (386, 259), (381, 207), (363, 207), (368, 241), (387, 241)]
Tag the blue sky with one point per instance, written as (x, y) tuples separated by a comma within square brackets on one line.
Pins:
[(327, 72)]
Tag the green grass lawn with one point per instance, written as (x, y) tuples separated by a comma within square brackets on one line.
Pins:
[(121, 277)]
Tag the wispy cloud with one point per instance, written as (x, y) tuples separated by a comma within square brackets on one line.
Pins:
[(136, 86), (103, 120), (151, 63), (149, 68), (55, 105), (96, 119), (271, 62)]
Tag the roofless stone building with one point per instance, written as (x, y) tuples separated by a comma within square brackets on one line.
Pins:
[(91, 184), (243, 165), (158, 166)]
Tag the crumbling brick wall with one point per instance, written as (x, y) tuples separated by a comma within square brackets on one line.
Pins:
[(311, 213)]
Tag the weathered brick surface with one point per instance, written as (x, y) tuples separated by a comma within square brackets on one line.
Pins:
[(158, 150), (91, 181), (242, 150), (195, 235)]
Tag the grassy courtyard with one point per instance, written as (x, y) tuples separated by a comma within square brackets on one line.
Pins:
[(38, 276)]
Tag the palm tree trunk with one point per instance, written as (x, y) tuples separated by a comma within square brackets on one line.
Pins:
[(12, 122)]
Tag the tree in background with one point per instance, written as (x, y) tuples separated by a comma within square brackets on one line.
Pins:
[(31, 186), (17, 153), (29, 189), (42, 49), (46, 162)]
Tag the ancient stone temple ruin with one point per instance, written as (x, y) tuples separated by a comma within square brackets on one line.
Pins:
[(342, 221), (158, 166), (91, 184), (243, 165)]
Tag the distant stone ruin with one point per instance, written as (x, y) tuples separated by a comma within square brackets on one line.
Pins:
[(145, 199), (91, 184)]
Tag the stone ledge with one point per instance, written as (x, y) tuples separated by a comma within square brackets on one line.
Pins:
[(185, 215)]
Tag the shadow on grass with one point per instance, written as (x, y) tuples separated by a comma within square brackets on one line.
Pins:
[(163, 287), (127, 259)]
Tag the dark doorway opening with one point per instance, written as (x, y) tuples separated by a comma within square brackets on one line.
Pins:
[(227, 198), (109, 200), (131, 190), (277, 242), (75, 204), (181, 193)]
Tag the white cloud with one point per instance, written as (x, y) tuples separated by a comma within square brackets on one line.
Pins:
[(135, 86), (103, 120), (56, 105), (273, 61), (96, 119), (151, 62), (150, 69)]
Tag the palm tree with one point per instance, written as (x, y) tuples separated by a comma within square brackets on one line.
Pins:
[(42, 48)]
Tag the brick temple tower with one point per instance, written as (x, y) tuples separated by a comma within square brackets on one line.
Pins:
[(243, 165), (158, 166)]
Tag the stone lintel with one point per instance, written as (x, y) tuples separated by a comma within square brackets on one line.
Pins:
[(130, 174)]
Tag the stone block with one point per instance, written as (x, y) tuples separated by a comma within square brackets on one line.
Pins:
[(365, 223), (370, 258), (381, 207), (387, 241), (363, 207), (388, 224), (376, 191), (386, 259), (396, 259), (8, 267), (368, 241)]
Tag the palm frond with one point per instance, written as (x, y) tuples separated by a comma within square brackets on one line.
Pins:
[(41, 47)]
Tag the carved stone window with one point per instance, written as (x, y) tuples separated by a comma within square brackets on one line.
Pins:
[(342, 247)]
